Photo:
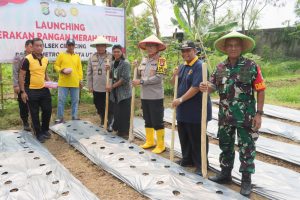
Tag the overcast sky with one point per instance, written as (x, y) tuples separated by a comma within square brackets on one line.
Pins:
[(271, 17)]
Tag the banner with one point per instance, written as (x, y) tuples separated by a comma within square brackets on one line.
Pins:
[(54, 23)]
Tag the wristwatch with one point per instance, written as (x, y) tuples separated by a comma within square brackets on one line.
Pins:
[(260, 112), (141, 81)]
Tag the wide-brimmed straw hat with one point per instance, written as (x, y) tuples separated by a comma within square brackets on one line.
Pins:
[(101, 40), (152, 40), (247, 46)]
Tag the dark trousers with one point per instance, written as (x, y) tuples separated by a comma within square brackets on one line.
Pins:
[(40, 98), (23, 110), (190, 141), (153, 113), (99, 101), (122, 116)]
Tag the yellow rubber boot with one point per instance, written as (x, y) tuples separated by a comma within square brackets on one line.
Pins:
[(160, 136), (149, 139)]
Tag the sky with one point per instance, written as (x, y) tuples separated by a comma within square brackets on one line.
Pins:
[(272, 17)]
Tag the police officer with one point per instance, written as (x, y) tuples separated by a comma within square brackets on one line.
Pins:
[(151, 73), (189, 108), (236, 80), (96, 78), (18, 61)]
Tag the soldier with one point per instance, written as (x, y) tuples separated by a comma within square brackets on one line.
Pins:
[(18, 61), (96, 78), (151, 73), (236, 79)]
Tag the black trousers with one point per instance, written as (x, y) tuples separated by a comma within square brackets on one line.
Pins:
[(23, 109), (99, 101), (153, 113), (40, 98), (122, 116), (190, 141)]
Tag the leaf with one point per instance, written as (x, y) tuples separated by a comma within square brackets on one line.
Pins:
[(181, 21), (223, 28)]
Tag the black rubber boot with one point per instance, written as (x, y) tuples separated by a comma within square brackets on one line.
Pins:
[(223, 177), (246, 184)]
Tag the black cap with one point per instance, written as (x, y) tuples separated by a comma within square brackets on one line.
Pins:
[(187, 45), (70, 41)]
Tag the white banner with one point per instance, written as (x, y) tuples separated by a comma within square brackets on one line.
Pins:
[(56, 22)]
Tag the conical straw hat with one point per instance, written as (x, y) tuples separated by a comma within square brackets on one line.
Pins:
[(101, 40), (248, 43), (152, 40)]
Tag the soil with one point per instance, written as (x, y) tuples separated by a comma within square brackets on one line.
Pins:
[(104, 185)]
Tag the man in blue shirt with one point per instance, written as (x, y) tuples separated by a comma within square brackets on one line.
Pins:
[(188, 104)]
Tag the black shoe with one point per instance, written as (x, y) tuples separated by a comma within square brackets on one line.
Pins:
[(110, 129), (75, 118), (26, 126), (223, 177), (46, 135), (246, 184), (184, 163), (40, 138), (198, 171)]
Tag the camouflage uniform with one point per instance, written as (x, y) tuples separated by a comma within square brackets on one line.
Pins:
[(236, 111)]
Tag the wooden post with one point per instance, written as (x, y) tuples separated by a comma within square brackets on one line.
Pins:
[(107, 97), (174, 120), (131, 135), (1, 88), (203, 123)]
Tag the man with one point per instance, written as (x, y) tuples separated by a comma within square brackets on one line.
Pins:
[(188, 104), (96, 77), (16, 69), (236, 79), (68, 65), (151, 72), (32, 81)]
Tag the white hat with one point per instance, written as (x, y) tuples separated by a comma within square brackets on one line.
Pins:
[(101, 40)]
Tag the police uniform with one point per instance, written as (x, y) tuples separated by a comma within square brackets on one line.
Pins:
[(151, 72), (96, 78)]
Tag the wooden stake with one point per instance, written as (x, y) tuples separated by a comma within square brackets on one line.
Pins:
[(203, 123), (131, 135), (174, 120), (107, 97), (1, 88)]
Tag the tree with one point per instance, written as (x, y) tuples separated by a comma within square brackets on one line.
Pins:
[(190, 9), (151, 4), (253, 8), (215, 5)]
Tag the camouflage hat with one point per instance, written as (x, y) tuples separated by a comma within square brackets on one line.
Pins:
[(248, 43)]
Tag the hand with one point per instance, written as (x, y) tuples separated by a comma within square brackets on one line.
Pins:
[(136, 82), (67, 71), (91, 90), (175, 71), (135, 63), (107, 67), (257, 122), (176, 103), (24, 97), (203, 87), (81, 84), (108, 88), (16, 90)]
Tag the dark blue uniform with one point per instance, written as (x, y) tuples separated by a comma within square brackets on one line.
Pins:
[(189, 113)]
